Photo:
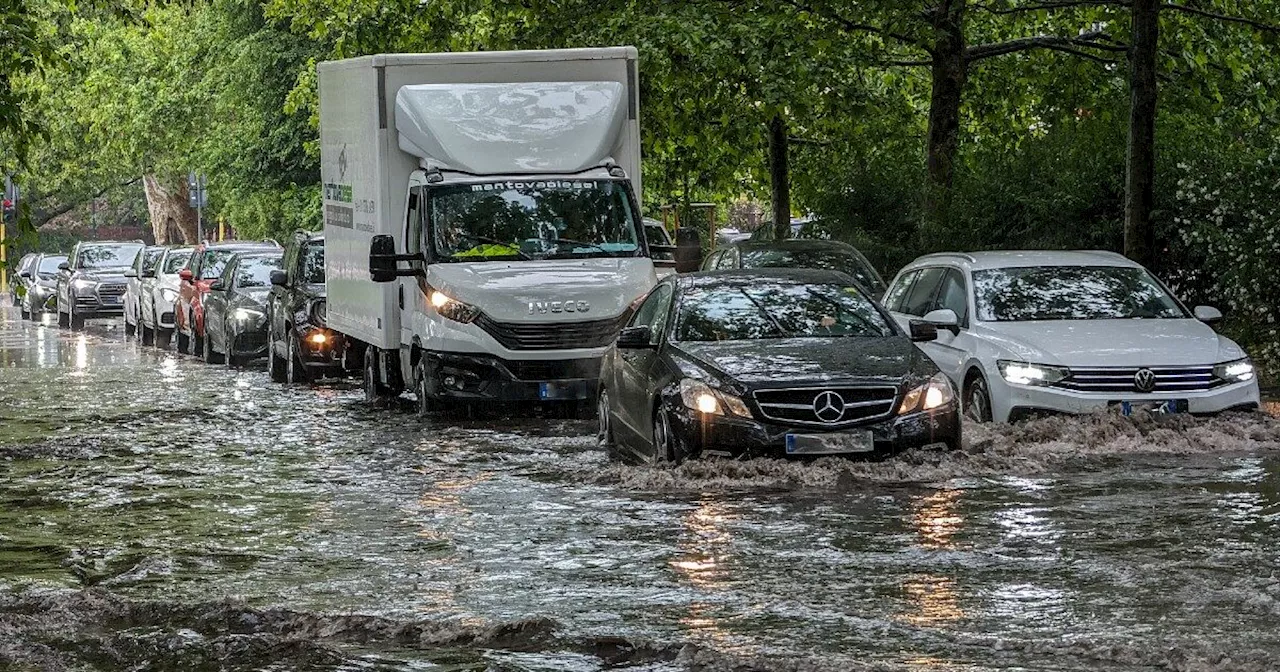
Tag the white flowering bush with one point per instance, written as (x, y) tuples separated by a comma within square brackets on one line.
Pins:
[(1227, 225)]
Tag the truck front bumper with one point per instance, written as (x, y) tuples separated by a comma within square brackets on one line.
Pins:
[(459, 377)]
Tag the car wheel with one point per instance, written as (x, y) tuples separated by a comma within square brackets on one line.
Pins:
[(663, 441), (207, 353), (130, 328), (23, 312), (64, 320), (604, 434), (163, 337), (275, 365), (977, 399), (295, 372), (76, 322), (146, 335)]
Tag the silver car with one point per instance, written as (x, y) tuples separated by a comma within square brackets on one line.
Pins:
[(159, 293), (40, 278), (143, 264)]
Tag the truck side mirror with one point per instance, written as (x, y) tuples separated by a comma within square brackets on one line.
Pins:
[(279, 278), (688, 250), (382, 261)]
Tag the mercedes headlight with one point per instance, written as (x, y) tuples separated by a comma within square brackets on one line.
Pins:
[(245, 314), (702, 398), (1021, 373), (935, 393), (84, 283), (1238, 371), (450, 307)]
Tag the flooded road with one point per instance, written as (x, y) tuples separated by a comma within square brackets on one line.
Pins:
[(158, 513)]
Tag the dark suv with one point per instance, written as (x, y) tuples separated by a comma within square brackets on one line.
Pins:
[(91, 282), (299, 343)]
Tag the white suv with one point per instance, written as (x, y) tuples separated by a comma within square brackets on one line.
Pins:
[(1022, 333)]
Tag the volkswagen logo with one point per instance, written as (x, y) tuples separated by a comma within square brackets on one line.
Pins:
[(828, 406), (1144, 380)]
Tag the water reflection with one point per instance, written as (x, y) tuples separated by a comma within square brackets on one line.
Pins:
[(704, 545), (932, 600), (937, 519)]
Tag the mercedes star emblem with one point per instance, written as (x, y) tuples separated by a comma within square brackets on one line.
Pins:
[(1144, 380), (828, 406)]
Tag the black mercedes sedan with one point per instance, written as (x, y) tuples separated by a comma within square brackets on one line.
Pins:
[(771, 362), (235, 309)]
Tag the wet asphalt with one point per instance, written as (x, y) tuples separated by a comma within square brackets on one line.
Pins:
[(160, 513)]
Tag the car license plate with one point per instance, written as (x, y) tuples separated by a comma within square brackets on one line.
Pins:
[(1128, 408), (835, 443), (562, 390)]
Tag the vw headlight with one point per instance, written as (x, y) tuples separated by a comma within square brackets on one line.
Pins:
[(245, 314), (702, 398), (1234, 372), (450, 307), (168, 295), (1021, 373), (935, 393), (84, 283)]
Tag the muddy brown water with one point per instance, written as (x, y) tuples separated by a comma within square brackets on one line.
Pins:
[(158, 513)]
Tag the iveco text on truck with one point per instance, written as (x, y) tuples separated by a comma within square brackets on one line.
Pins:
[(482, 219)]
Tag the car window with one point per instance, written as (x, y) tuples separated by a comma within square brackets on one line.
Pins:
[(729, 259), (920, 300), (176, 261), (214, 262), (1071, 293), (49, 266), (831, 258), (311, 264), (652, 313), (151, 258), (107, 256), (256, 271), (771, 309), (893, 299), (954, 295)]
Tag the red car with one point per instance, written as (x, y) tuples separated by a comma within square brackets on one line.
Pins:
[(205, 265)]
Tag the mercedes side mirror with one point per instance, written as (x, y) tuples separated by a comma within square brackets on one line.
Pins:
[(130, 273), (1208, 314), (279, 278), (185, 274), (64, 266), (688, 250), (943, 318), (923, 332), (217, 286), (635, 338)]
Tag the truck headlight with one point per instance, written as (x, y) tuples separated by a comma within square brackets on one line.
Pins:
[(1234, 372), (702, 398), (935, 393), (245, 314), (450, 307), (1022, 373), (84, 283)]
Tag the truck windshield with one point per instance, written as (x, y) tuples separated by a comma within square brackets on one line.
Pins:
[(553, 219)]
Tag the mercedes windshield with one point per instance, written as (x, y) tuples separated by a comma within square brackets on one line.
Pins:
[(551, 219)]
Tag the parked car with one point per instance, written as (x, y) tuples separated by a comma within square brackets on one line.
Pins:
[(776, 361), (40, 280), (301, 345), (91, 283), (791, 253), (206, 264), (144, 263), (235, 309), (1025, 333), (159, 296), (17, 287), (656, 233)]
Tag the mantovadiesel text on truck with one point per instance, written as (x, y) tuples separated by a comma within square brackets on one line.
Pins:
[(482, 219)]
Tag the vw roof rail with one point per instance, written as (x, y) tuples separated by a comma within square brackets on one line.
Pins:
[(963, 255)]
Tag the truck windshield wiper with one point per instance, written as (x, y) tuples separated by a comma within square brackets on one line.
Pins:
[(494, 241), (579, 243)]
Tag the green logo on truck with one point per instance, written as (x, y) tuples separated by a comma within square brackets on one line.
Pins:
[(337, 192)]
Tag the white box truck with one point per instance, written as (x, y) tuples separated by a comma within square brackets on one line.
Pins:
[(482, 219)]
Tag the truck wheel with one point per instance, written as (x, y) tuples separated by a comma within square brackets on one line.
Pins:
[(426, 405), (374, 389)]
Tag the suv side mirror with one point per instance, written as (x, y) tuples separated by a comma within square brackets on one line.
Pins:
[(148, 274), (217, 286), (25, 274), (64, 266), (1208, 314), (923, 332), (130, 273), (688, 250), (279, 278), (943, 318), (635, 338), (185, 274)]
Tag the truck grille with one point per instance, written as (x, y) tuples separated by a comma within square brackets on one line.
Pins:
[(551, 335), (1167, 379), (553, 369), (811, 406)]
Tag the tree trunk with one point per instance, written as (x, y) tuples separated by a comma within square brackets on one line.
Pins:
[(780, 177), (950, 71), (1140, 159), (171, 215)]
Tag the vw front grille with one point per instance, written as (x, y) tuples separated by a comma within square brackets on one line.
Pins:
[(1124, 380), (803, 406), (551, 335)]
